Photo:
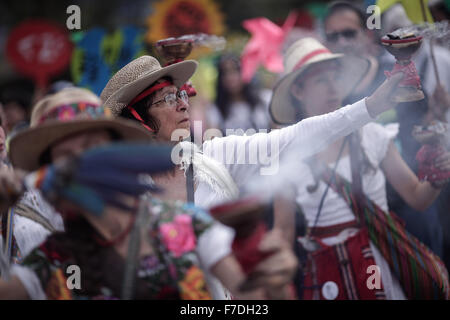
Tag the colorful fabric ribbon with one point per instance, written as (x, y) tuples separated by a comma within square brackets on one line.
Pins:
[(420, 272)]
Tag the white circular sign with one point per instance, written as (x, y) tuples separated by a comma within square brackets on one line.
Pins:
[(330, 290)]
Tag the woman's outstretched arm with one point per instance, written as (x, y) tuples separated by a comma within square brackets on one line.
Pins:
[(417, 194), (246, 156)]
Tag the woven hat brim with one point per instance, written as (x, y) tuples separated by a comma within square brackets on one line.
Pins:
[(180, 73), (27, 146), (281, 109)]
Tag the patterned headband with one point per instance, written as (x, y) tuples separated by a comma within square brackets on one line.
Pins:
[(79, 110)]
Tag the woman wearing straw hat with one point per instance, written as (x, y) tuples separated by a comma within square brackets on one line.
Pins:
[(150, 94), (313, 87), (66, 124)]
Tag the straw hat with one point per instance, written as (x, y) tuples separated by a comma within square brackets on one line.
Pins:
[(301, 55), (70, 111), (139, 74)]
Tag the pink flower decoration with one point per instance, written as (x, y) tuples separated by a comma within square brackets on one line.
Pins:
[(178, 236), (264, 47)]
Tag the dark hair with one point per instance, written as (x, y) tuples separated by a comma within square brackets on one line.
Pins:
[(19, 91), (223, 97), (142, 107), (299, 111), (79, 244), (338, 6)]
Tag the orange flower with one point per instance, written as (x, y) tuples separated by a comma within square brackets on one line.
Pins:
[(193, 286)]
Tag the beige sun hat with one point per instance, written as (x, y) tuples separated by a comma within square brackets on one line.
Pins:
[(70, 111), (301, 55), (139, 74)]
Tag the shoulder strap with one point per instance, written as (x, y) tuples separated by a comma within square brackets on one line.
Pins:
[(350, 192), (423, 67), (318, 169), (30, 213), (134, 246), (190, 183), (356, 168), (9, 232)]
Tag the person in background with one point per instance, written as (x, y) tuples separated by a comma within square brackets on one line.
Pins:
[(238, 105), (440, 9), (16, 97), (395, 18), (431, 227), (312, 87), (345, 31), (3, 152)]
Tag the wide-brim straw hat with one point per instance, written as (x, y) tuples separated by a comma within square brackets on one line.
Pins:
[(139, 74), (60, 115), (298, 58)]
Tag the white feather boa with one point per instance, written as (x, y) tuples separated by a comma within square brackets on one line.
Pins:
[(208, 170)]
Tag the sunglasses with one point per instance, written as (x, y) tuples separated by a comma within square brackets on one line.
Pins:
[(171, 98), (347, 33)]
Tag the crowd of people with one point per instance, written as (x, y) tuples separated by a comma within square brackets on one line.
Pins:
[(335, 207)]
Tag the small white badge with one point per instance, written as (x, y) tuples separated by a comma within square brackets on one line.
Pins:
[(330, 290)]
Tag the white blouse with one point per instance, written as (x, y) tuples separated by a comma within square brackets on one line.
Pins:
[(375, 140), (28, 233)]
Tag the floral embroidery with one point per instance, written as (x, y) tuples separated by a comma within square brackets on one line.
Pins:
[(193, 285), (171, 272), (66, 113), (57, 287), (178, 236)]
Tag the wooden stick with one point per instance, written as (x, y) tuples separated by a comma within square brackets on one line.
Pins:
[(424, 14), (433, 59)]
